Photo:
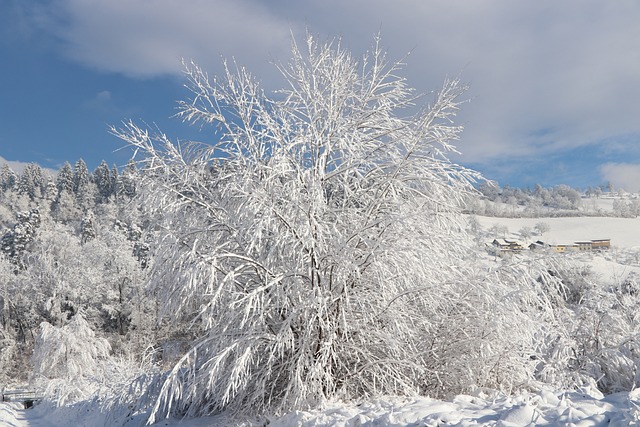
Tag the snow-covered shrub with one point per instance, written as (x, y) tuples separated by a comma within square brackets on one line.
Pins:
[(596, 334), (608, 330), (70, 362), (320, 246)]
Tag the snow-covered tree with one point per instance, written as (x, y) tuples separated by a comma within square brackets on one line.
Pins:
[(125, 303), (609, 186), (65, 209), (634, 207), (314, 242), (489, 189), (116, 183), (70, 359), (597, 335), (51, 275), (498, 230), (473, 225), (87, 196), (80, 176), (129, 179), (64, 179), (597, 192), (51, 191), (525, 232), (15, 241), (621, 208), (70, 350), (88, 231), (31, 181), (541, 228), (565, 197), (16, 323), (102, 180), (8, 178)]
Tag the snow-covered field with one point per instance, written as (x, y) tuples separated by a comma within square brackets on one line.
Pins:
[(544, 408), (613, 266), (623, 232), (584, 408)]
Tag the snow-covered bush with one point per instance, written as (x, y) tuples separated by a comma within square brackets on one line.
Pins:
[(70, 362), (595, 336), (319, 244)]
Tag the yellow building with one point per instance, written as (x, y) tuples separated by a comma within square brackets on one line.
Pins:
[(601, 244)]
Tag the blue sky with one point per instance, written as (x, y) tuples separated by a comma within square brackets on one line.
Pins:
[(554, 85)]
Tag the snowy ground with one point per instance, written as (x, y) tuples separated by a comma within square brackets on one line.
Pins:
[(586, 408), (541, 409)]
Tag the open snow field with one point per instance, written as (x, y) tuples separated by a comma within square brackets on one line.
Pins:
[(623, 232), (541, 409), (585, 408), (612, 266)]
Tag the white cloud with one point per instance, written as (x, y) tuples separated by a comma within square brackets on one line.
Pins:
[(143, 39), (18, 167), (622, 175), (544, 75), (103, 96), (101, 101)]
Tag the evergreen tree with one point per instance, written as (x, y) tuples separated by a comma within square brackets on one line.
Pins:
[(64, 180), (116, 184), (7, 178), (80, 176), (102, 179), (129, 179), (51, 191), (87, 196), (15, 242), (31, 181)]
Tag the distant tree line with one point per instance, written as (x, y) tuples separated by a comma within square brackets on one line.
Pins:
[(76, 181), (560, 200)]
